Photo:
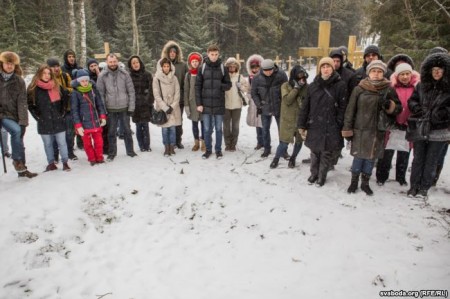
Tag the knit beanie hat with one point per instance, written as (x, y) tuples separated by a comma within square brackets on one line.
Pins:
[(267, 64), (255, 62), (372, 49), (378, 64), (195, 56), (51, 62), (326, 60), (91, 61), (402, 67), (81, 75)]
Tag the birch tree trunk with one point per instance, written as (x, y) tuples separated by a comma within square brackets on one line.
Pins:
[(72, 26), (135, 27), (82, 60)]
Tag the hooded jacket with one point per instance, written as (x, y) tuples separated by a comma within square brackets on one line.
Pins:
[(67, 67), (167, 94), (232, 98), (404, 93), (189, 90), (432, 98), (142, 82), (181, 68), (253, 120)]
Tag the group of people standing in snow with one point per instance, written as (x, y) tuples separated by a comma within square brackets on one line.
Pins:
[(370, 107)]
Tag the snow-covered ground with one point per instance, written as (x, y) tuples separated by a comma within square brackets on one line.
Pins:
[(183, 227)]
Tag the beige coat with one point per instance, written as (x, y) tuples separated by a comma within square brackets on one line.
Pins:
[(170, 92), (232, 98)]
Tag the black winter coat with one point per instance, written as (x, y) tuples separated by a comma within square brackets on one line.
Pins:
[(13, 100), (266, 91), (210, 87), (49, 116), (322, 115), (83, 111), (142, 81)]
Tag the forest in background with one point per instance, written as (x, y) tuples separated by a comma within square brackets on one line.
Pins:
[(40, 29)]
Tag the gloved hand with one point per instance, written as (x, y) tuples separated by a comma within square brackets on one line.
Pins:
[(80, 131), (170, 110), (258, 111), (386, 104), (102, 122), (22, 131), (303, 133), (130, 113), (187, 110), (296, 85), (349, 139), (238, 85)]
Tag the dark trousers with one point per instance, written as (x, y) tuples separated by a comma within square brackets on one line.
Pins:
[(384, 166), (179, 129), (196, 131), (320, 163), (259, 136), (424, 165), (143, 136), (266, 122), (114, 119), (231, 121)]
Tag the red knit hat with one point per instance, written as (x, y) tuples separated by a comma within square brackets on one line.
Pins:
[(195, 56)]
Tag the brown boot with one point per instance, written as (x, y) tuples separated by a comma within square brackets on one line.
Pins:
[(166, 150), (196, 146), (27, 174), (66, 166), (19, 166), (172, 149), (202, 145)]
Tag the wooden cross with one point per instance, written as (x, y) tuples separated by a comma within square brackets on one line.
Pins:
[(323, 44), (289, 62), (300, 60), (239, 60), (355, 54), (277, 60), (107, 52), (309, 62)]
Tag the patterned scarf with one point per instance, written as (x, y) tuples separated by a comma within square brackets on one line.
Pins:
[(52, 89)]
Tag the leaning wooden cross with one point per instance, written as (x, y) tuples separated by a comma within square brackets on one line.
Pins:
[(107, 52)]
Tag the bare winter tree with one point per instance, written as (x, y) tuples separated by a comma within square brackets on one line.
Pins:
[(135, 27), (82, 60), (72, 25)]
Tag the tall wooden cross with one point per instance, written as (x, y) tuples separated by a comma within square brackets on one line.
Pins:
[(301, 60), (277, 60), (239, 60), (289, 62), (104, 55)]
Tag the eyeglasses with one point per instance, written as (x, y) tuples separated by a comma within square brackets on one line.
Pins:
[(437, 70)]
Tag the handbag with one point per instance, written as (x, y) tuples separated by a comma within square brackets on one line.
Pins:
[(418, 128), (158, 117), (397, 141)]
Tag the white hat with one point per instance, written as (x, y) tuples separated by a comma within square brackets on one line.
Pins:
[(403, 67)]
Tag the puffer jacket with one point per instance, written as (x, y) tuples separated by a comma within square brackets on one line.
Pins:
[(13, 100), (142, 82), (49, 116), (210, 87), (167, 94), (87, 110), (432, 98), (362, 117), (323, 116), (117, 90), (266, 91)]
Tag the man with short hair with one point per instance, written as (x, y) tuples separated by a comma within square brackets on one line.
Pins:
[(210, 86), (117, 91), (14, 108), (266, 93)]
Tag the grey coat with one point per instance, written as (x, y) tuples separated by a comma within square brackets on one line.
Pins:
[(117, 90)]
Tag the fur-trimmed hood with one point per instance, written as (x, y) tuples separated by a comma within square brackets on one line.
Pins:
[(233, 61), (250, 59), (435, 60), (13, 58), (415, 79), (166, 49), (397, 58), (163, 77), (189, 59)]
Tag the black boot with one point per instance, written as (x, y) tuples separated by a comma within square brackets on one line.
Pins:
[(365, 184), (354, 184), (274, 163), (291, 163), (438, 173)]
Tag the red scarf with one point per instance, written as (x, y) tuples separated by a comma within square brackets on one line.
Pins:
[(194, 72), (52, 89)]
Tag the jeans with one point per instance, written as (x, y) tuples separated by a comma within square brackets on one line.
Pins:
[(424, 165), (384, 166), (441, 156), (362, 165), (266, 122), (143, 135), (13, 128), (70, 135), (231, 121), (114, 119), (4, 137), (259, 135), (282, 148), (60, 138), (169, 135), (211, 121), (195, 130)]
